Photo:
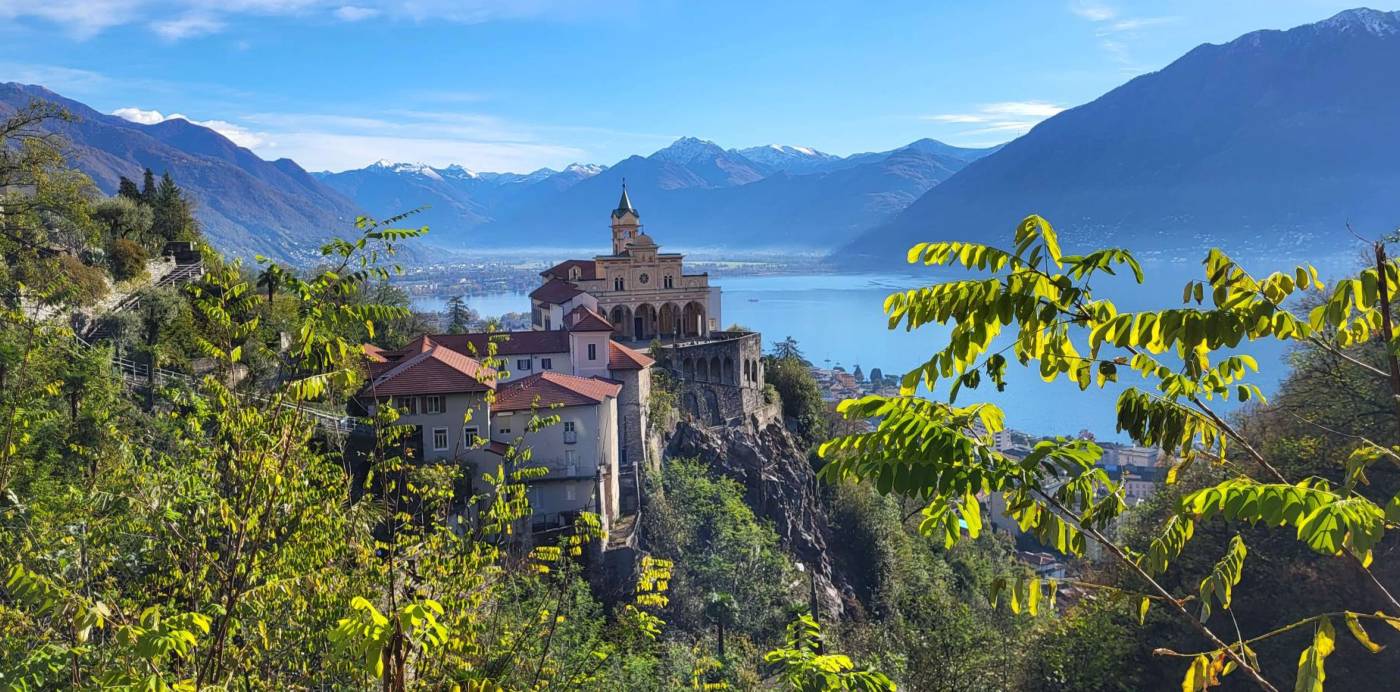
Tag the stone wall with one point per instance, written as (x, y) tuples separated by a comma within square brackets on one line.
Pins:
[(719, 380)]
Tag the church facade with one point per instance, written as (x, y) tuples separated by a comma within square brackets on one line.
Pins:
[(643, 292)]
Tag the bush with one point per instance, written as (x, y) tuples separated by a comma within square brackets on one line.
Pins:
[(86, 285), (127, 259), (802, 398)]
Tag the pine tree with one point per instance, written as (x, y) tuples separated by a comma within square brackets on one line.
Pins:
[(459, 316), (173, 219), (127, 188)]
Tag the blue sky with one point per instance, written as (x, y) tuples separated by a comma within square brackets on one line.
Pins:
[(519, 84)]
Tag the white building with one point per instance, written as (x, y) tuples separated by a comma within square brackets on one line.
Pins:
[(598, 388)]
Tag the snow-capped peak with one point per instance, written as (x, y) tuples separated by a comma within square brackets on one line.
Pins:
[(687, 149), (459, 171), (586, 170), (786, 157), (1366, 19), (422, 169)]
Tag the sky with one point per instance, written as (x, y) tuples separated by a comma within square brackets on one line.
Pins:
[(514, 85)]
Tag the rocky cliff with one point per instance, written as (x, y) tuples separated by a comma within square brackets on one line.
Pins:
[(780, 487)]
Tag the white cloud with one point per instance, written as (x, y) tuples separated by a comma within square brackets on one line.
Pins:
[(237, 134), (1093, 11), (354, 13), (137, 115), (1013, 117), (1115, 31), (187, 26), (86, 18)]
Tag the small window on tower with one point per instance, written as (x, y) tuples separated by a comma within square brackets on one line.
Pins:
[(618, 284), (593, 351)]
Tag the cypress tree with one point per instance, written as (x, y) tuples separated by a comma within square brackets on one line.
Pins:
[(148, 188)]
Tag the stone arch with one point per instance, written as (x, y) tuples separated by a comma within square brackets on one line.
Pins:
[(702, 370), (688, 369), (644, 322), (712, 407), (693, 319), (621, 318), (729, 371), (715, 370), (669, 321)]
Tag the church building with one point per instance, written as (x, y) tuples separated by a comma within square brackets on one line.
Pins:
[(643, 292)]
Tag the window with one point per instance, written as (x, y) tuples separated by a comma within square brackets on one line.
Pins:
[(432, 404), (570, 493), (619, 284), (570, 435), (571, 462), (593, 351), (643, 278), (546, 363), (522, 364), (469, 435), (668, 282), (409, 405), (439, 439)]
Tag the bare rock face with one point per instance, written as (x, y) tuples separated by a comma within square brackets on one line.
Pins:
[(780, 487)]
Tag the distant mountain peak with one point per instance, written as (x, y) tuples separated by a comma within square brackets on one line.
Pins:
[(687, 149), (422, 169), (1363, 19)]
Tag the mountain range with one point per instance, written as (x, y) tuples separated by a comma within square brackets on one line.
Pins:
[(692, 193), (1274, 141), (1271, 141), (246, 205)]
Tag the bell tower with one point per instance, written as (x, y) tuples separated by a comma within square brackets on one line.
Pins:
[(626, 222)]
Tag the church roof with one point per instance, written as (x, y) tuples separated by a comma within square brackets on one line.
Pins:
[(555, 291), (588, 270), (642, 240), (624, 205)]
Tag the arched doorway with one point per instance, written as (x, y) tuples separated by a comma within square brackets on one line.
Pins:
[(714, 370), (729, 371), (669, 321), (702, 370), (621, 318), (644, 322), (693, 319)]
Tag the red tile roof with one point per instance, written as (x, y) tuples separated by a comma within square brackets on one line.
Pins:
[(623, 358), (507, 343), (374, 353), (582, 319), (436, 369), (588, 270), (552, 388), (555, 291)]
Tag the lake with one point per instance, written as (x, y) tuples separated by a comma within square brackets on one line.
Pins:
[(839, 320)]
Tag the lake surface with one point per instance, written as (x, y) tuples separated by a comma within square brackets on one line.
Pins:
[(839, 320)]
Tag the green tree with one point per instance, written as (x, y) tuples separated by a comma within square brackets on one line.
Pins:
[(148, 187), (127, 188), (800, 394), (1044, 304), (787, 349), (459, 316), (122, 217), (173, 218)]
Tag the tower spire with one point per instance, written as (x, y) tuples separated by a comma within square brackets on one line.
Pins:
[(624, 205)]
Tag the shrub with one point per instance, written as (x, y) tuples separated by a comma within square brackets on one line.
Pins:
[(127, 259), (86, 285)]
